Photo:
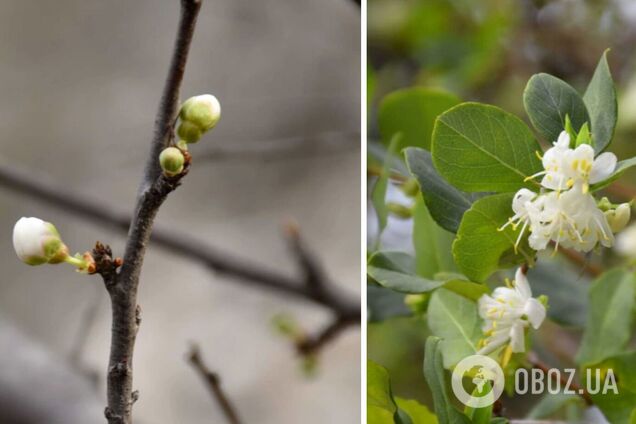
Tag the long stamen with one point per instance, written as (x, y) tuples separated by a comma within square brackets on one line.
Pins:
[(534, 176), (523, 229)]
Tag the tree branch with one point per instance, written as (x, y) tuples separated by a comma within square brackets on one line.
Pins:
[(287, 148), (312, 345), (153, 190), (213, 382), (538, 364), (44, 188)]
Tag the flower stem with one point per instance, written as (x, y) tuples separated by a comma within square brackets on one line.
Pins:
[(80, 263)]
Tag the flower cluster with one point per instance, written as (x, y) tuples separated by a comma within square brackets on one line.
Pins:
[(197, 115), (507, 313), (565, 212)]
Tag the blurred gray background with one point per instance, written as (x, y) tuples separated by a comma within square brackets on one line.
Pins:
[(81, 80)]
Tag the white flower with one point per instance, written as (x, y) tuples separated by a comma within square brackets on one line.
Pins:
[(571, 219), (626, 242), (507, 313), (522, 206), (37, 242), (565, 168)]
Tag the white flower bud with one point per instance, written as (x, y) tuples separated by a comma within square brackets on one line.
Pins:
[(619, 217), (201, 112), (37, 242), (626, 242), (171, 160)]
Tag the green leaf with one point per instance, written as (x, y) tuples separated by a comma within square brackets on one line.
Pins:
[(372, 82), (600, 99), (468, 289), (610, 316), (381, 408), (384, 304), (434, 374), (395, 271), (479, 415), (378, 196), (618, 408), (455, 320), (479, 147), (412, 113), (432, 243), (393, 260), (548, 100), (584, 136), (445, 203), (621, 167), (418, 413), (480, 248)]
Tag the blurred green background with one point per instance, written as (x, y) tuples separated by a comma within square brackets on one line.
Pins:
[(486, 51)]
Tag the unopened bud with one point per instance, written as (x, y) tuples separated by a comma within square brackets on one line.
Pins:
[(626, 242), (417, 303), (619, 217), (400, 210), (203, 112), (189, 132), (37, 242), (171, 160)]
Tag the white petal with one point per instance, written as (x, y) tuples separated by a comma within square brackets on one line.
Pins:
[(521, 284), (517, 338), (28, 235), (535, 311), (563, 141), (521, 198), (553, 181), (603, 166)]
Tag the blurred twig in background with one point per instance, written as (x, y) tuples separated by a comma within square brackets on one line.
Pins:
[(44, 188), (332, 142), (213, 382)]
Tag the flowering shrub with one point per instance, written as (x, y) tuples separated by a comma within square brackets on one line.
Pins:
[(491, 201)]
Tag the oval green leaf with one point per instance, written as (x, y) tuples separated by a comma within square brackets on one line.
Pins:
[(479, 147), (548, 100), (610, 316), (480, 248), (600, 99), (445, 203), (412, 112), (454, 319)]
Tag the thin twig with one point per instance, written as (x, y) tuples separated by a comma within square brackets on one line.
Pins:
[(311, 345), (213, 382), (310, 146), (538, 364), (577, 258), (44, 188), (153, 190), (621, 191), (316, 282)]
